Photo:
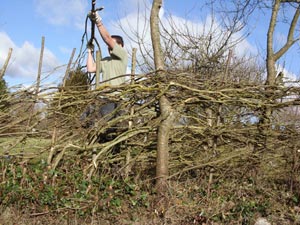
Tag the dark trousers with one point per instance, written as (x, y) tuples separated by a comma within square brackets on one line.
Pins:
[(94, 113)]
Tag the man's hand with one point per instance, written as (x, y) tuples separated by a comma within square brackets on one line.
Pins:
[(94, 17), (90, 46)]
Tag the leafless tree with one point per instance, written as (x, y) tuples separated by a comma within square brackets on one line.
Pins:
[(166, 112), (272, 55), (2, 71)]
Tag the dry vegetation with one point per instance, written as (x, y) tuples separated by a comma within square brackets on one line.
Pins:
[(233, 145), (223, 168)]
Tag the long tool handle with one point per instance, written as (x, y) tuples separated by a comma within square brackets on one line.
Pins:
[(93, 24)]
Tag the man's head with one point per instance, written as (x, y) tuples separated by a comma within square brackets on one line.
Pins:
[(118, 39)]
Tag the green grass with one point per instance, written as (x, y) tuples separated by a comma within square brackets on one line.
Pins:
[(29, 147)]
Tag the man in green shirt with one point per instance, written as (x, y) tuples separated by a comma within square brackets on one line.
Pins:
[(114, 65), (112, 68)]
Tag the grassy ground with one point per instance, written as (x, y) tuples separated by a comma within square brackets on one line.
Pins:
[(236, 191), (30, 147), (238, 204), (195, 198)]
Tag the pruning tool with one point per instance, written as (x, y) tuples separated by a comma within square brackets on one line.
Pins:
[(94, 9)]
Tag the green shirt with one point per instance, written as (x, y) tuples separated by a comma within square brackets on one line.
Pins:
[(114, 65)]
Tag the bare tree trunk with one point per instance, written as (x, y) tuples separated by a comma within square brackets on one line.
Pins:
[(38, 79), (54, 133), (98, 68), (162, 159), (2, 72), (273, 57), (166, 111), (130, 123), (155, 35), (229, 58)]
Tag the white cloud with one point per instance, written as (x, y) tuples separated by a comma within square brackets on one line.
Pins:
[(24, 59), (245, 48), (5, 44), (288, 77), (63, 12), (135, 24)]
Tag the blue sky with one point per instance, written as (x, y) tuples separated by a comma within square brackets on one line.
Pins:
[(61, 22)]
